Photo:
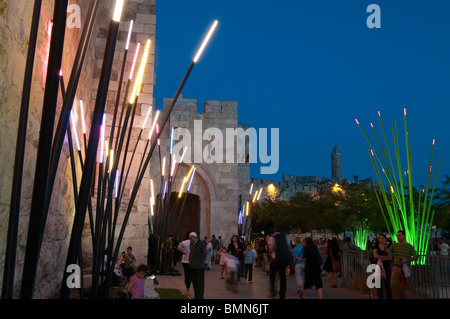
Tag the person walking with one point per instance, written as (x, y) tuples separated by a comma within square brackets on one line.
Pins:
[(281, 256), (335, 254), (383, 253), (403, 253), (250, 256), (312, 268), (443, 251), (236, 248), (223, 265), (184, 248), (197, 259), (215, 245), (209, 253), (300, 264)]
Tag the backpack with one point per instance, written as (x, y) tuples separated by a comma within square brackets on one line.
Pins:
[(282, 252)]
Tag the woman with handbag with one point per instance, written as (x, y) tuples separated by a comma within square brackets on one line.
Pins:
[(384, 257)]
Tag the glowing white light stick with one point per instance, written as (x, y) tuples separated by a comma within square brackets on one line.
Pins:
[(171, 140), (154, 125), (206, 40), (134, 60), (146, 117), (182, 156), (259, 194), (129, 35), (192, 178), (83, 124), (75, 131), (137, 84), (118, 10)]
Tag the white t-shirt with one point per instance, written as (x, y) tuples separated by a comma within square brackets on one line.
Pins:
[(444, 249), (185, 248)]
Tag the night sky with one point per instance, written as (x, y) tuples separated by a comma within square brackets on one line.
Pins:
[(310, 68)]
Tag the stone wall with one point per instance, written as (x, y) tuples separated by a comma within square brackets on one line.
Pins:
[(15, 19), (216, 183), (143, 14)]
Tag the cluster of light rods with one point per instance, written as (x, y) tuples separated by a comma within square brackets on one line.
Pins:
[(105, 147)]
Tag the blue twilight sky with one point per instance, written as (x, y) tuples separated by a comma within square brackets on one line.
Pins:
[(310, 68)]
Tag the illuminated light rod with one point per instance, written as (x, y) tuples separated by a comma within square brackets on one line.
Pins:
[(152, 197), (118, 10), (129, 35), (192, 178), (116, 192), (174, 160), (185, 180), (75, 131), (146, 117), (140, 75), (255, 196), (102, 138), (182, 156), (82, 117), (134, 60), (171, 140), (259, 195), (163, 169), (205, 41), (153, 125)]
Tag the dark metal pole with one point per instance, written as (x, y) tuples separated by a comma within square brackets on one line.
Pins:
[(38, 216), (74, 179), (142, 172), (68, 100), (91, 153), (13, 225)]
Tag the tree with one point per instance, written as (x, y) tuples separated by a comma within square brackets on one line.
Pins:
[(441, 205)]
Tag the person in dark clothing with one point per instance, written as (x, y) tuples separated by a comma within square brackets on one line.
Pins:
[(334, 252), (312, 269), (281, 256), (382, 252), (197, 258), (237, 248)]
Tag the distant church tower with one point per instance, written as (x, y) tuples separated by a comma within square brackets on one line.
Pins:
[(335, 164)]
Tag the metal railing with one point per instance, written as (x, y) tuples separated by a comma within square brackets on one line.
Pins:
[(430, 278)]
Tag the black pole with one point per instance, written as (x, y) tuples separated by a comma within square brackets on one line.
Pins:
[(142, 172), (13, 225), (38, 216), (74, 180), (69, 98), (91, 153)]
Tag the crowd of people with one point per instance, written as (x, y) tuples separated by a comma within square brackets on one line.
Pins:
[(278, 257)]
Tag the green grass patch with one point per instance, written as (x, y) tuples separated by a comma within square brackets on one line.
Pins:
[(166, 293)]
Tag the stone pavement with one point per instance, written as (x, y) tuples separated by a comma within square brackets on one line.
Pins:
[(259, 289)]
